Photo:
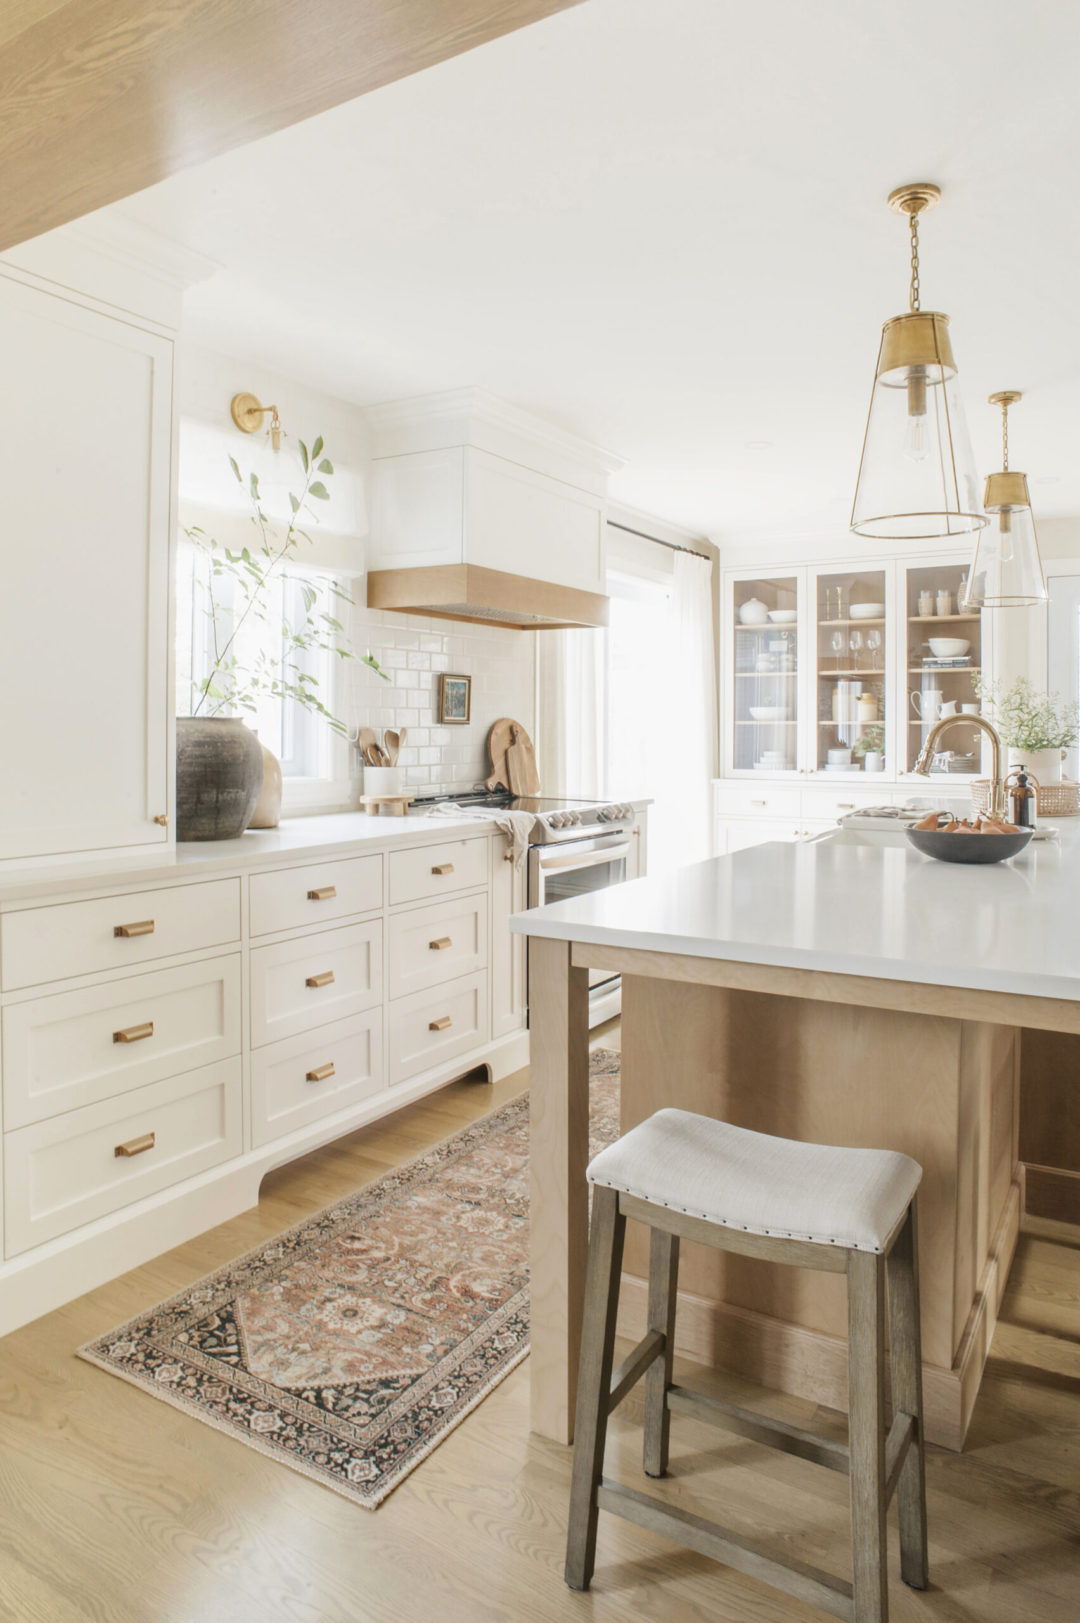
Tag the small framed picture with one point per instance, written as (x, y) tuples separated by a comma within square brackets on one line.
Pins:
[(455, 699)]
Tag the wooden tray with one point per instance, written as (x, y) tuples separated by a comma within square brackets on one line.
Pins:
[(396, 803)]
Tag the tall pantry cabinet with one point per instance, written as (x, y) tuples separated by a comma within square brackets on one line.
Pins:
[(87, 462)]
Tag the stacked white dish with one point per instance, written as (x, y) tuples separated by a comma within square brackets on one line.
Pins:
[(770, 712), (866, 611), (783, 617)]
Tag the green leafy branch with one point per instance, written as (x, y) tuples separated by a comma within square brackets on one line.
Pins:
[(231, 684)]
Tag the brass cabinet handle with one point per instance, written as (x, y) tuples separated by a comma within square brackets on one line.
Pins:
[(443, 867), (443, 942), (325, 979), (325, 894), (134, 1034), (135, 1146), (321, 1072), (439, 1025), (143, 927), (162, 819), (845, 805)]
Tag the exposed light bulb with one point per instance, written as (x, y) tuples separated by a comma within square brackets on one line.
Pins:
[(1005, 544), (916, 438)]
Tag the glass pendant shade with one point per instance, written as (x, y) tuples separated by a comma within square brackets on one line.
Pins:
[(1006, 571), (917, 477)]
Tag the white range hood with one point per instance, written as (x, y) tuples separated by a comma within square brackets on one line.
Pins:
[(484, 512)]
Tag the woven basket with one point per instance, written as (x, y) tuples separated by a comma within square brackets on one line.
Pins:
[(1051, 800)]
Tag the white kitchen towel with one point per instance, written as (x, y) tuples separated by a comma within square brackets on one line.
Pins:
[(516, 825)]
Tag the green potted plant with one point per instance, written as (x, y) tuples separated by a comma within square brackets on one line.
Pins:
[(1035, 727), (870, 747), (219, 762)]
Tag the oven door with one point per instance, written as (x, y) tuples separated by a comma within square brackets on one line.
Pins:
[(574, 868), (560, 872)]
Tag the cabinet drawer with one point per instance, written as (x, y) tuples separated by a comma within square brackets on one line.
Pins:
[(66, 1171), (436, 870), (314, 894), (305, 1078), (74, 1048), (430, 1027), (300, 984), (430, 945), (836, 803), (116, 932), (755, 800)]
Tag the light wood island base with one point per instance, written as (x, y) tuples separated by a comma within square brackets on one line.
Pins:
[(944, 1091)]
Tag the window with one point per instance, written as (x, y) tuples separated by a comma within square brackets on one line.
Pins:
[(308, 749)]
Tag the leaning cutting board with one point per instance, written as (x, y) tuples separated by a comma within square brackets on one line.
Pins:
[(498, 742), (521, 763)]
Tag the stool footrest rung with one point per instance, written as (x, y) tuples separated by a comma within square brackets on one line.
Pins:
[(900, 1438), (634, 1365), (809, 1445), (808, 1584)]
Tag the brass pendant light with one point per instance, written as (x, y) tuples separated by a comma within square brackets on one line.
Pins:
[(1006, 571), (917, 476)]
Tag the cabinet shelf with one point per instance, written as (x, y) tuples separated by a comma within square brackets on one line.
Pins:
[(874, 670), (877, 723), (766, 724), (938, 619), (789, 626), (767, 676), (942, 670), (862, 621)]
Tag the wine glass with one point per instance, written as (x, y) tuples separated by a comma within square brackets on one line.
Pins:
[(855, 643), (873, 646), (838, 644)]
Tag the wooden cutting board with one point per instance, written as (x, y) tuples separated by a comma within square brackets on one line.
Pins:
[(521, 763), (498, 742)]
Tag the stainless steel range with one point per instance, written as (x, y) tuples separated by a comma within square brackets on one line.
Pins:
[(575, 846)]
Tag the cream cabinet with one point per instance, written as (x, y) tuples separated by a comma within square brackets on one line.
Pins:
[(166, 1042), (833, 673), (86, 443)]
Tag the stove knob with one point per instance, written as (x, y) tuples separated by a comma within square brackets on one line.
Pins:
[(553, 820), (574, 818), (603, 815)]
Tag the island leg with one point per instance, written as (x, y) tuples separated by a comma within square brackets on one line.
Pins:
[(558, 1153)]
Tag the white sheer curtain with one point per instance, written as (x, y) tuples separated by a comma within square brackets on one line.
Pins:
[(632, 712)]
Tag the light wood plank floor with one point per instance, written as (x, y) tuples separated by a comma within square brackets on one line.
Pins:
[(117, 1509)]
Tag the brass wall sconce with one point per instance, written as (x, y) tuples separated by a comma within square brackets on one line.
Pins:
[(248, 414)]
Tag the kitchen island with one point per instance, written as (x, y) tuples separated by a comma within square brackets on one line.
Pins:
[(835, 992)]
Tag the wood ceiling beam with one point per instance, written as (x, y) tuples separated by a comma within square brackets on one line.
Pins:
[(101, 98)]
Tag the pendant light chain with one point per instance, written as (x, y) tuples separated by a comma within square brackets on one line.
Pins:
[(1005, 436), (913, 295)]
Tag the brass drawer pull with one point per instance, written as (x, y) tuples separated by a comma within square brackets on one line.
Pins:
[(326, 894), (325, 979), (135, 1146), (443, 867), (443, 942), (440, 1024), (321, 1072), (144, 927), (134, 1034)]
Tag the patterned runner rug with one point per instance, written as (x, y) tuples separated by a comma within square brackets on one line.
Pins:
[(351, 1345)]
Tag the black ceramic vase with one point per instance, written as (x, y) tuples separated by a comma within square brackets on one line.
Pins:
[(219, 773)]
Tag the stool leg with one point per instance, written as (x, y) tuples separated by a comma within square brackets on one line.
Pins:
[(594, 1382), (866, 1433), (663, 1285), (905, 1357)]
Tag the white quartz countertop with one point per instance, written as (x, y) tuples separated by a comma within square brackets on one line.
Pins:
[(851, 909), (339, 834)]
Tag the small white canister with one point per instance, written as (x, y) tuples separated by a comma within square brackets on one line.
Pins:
[(382, 780)]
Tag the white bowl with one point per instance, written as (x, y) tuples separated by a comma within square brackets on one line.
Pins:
[(839, 758), (770, 712), (867, 611), (783, 617), (948, 647)]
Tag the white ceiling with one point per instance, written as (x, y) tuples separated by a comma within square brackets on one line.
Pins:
[(662, 226)]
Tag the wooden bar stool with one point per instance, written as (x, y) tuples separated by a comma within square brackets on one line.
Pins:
[(844, 1210)]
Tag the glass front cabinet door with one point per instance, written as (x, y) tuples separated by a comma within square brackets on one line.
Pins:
[(764, 639), (944, 654), (853, 686)]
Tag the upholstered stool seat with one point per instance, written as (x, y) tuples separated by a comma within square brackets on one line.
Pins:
[(849, 1211), (760, 1184)]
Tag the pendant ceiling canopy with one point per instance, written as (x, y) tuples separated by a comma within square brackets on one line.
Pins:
[(917, 477), (1006, 571)]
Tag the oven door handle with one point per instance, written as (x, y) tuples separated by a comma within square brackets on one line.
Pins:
[(592, 859)]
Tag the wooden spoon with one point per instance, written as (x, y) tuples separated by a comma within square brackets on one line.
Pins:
[(392, 744)]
